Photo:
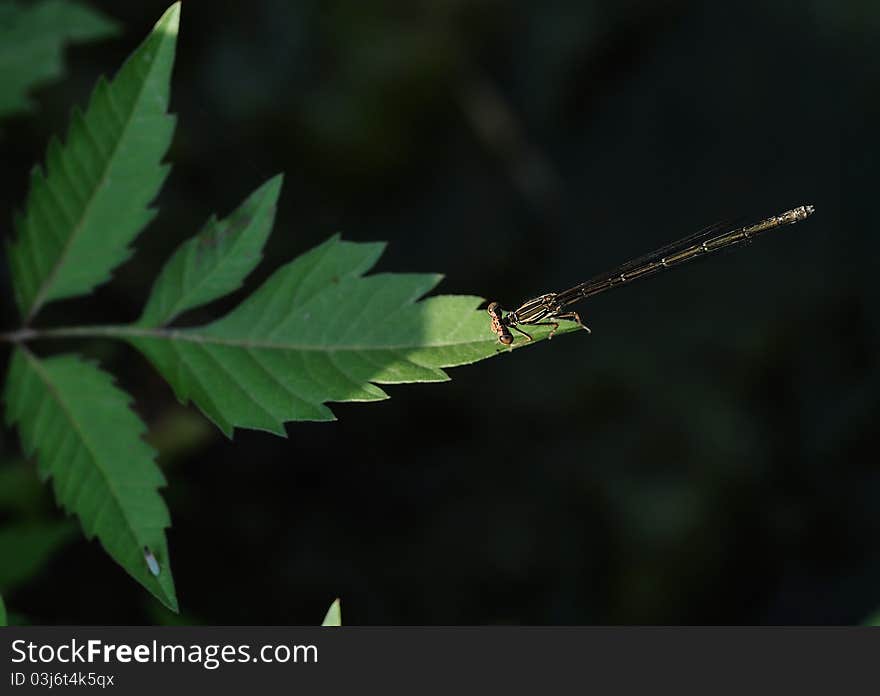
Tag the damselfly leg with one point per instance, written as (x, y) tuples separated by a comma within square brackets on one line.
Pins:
[(528, 336), (570, 316)]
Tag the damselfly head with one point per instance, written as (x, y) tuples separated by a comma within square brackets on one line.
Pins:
[(499, 326)]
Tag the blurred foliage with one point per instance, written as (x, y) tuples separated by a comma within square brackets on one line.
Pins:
[(177, 433), (26, 547), (32, 37), (27, 536), (21, 493)]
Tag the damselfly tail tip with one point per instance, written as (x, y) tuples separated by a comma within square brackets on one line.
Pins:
[(802, 212)]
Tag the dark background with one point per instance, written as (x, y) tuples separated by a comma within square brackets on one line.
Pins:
[(708, 455)]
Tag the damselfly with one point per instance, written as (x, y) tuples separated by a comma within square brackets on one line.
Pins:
[(545, 310)]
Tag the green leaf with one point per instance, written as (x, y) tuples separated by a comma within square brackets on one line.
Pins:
[(25, 549), (216, 261), (2, 612), (334, 614), (88, 440), (81, 216), (31, 41), (319, 331)]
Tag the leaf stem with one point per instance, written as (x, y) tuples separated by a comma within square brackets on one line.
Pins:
[(108, 331)]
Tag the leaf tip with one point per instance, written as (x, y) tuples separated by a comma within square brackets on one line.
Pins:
[(271, 189), (279, 430), (276, 181), (333, 617), (169, 22), (170, 601)]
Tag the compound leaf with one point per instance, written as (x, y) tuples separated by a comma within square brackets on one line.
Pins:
[(319, 331), (89, 442), (83, 212), (216, 261), (31, 41)]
